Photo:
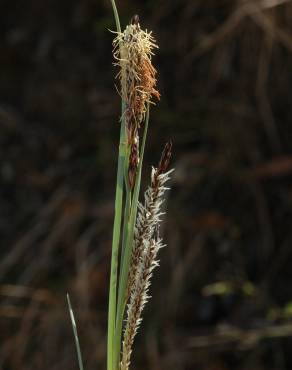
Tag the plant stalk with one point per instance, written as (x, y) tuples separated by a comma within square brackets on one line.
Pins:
[(116, 231), (127, 252)]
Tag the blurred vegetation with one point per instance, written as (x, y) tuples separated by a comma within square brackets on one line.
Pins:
[(222, 298)]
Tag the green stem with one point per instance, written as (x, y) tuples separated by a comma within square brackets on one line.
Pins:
[(116, 15), (127, 253), (126, 210), (126, 220), (127, 205), (115, 250), (116, 232)]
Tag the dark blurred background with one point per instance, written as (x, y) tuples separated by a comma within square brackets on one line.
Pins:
[(222, 298)]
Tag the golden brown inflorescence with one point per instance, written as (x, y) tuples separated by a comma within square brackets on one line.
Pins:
[(133, 49)]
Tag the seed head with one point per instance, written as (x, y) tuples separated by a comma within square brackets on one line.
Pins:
[(133, 49), (144, 253)]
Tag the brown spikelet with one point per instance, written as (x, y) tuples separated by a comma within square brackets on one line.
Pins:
[(165, 157), (163, 163), (133, 162), (149, 214)]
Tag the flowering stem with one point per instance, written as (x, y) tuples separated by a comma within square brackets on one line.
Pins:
[(116, 231), (127, 252), (127, 209), (115, 249)]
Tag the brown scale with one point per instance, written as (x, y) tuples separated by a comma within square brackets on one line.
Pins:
[(146, 86), (163, 164), (133, 164), (165, 158)]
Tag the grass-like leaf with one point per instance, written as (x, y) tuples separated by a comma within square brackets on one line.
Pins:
[(75, 332)]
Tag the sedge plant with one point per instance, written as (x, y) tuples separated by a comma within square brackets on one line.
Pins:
[(136, 239)]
